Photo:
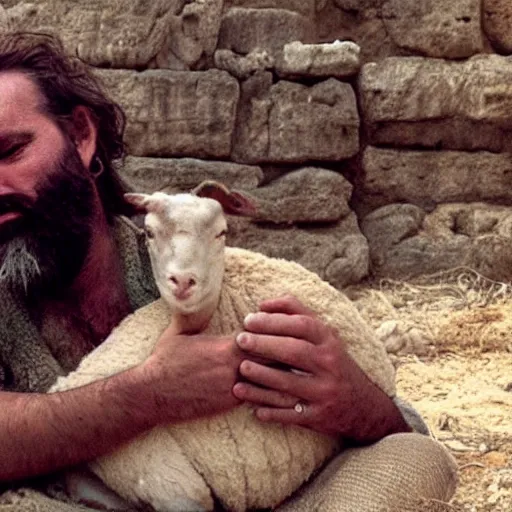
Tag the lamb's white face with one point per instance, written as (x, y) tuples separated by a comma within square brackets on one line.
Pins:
[(186, 238)]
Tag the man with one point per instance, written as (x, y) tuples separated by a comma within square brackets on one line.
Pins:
[(71, 269)]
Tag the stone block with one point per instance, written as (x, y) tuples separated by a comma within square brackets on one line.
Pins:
[(244, 30), (173, 175), (497, 23), (427, 178), (450, 30), (126, 33), (172, 113), (406, 242), (340, 59), (337, 253), (359, 21), (243, 66), (420, 102), (307, 195), (290, 122)]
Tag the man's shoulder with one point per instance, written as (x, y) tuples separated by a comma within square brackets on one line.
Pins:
[(135, 262)]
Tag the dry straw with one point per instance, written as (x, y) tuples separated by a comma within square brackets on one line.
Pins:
[(458, 309)]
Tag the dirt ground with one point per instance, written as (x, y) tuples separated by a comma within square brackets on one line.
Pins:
[(450, 337)]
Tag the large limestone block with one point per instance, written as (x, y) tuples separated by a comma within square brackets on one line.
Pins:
[(384, 28), (172, 113), (183, 174), (398, 249), (497, 23), (290, 122), (337, 253), (414, 101), (340, 59), (304, 7), (427, 178), (307, 195), (405, 241), (436, 29), (244, 30), (126, 33)]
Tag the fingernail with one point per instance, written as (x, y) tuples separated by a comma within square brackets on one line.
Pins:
[(242, 339), (245, 367), (238, 390), (248, 318)]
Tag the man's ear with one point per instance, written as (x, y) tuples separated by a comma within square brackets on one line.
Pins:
[(84, 133)]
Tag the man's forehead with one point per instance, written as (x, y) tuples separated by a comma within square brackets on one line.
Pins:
[(19, 97)]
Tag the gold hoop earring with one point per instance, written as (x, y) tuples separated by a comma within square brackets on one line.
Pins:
[(99, 167)]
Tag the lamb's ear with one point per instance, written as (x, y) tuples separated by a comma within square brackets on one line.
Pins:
[(139, 201), (233, 203)]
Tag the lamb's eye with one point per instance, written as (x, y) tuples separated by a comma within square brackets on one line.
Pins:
[(149, 233), (224, 232)]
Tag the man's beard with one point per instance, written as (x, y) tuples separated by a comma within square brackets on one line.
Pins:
[(42, 252)]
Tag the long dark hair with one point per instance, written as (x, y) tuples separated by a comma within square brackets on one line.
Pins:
[(65, 83)]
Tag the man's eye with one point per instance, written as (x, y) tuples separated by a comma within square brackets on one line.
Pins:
[(11, 151), (224, 232), (149, 232)]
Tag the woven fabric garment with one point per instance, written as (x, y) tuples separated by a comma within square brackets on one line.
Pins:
[(400, 473)]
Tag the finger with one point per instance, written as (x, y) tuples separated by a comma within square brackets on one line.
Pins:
[(298, 385), (292, 352), (172, 330), (288, 304), (280, 324), (268, 397), (286, 416)]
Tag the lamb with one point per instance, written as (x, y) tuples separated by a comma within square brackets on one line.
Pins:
[(244, 463)]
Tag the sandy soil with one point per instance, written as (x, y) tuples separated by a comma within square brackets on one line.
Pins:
[(451, 342), (465, 402)]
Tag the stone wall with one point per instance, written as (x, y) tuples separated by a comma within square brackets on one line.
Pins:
[(374, 134)]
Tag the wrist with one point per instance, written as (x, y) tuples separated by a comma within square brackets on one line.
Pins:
[(375, 415), (134, 391)]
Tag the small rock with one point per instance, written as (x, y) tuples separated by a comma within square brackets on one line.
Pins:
[(447, 422), (395, 344), (457, 446), (385, 329), (482, 448), (418, 342), (243, 66)]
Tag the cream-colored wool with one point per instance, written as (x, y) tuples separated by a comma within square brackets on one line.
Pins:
[(246, 464)]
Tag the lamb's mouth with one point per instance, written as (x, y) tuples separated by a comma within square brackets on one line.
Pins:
[(193, 303)]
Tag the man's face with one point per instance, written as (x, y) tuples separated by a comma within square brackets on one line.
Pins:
[(46, 196)]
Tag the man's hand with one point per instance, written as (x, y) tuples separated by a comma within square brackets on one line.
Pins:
[(335, 396), (185, 377), (192, 376)]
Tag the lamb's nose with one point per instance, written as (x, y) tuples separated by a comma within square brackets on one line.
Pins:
[(183, 284)]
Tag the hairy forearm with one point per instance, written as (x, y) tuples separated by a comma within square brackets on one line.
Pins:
[(41, 433), (377, 415)]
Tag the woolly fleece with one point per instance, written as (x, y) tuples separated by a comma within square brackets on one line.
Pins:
[(244, 463)]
